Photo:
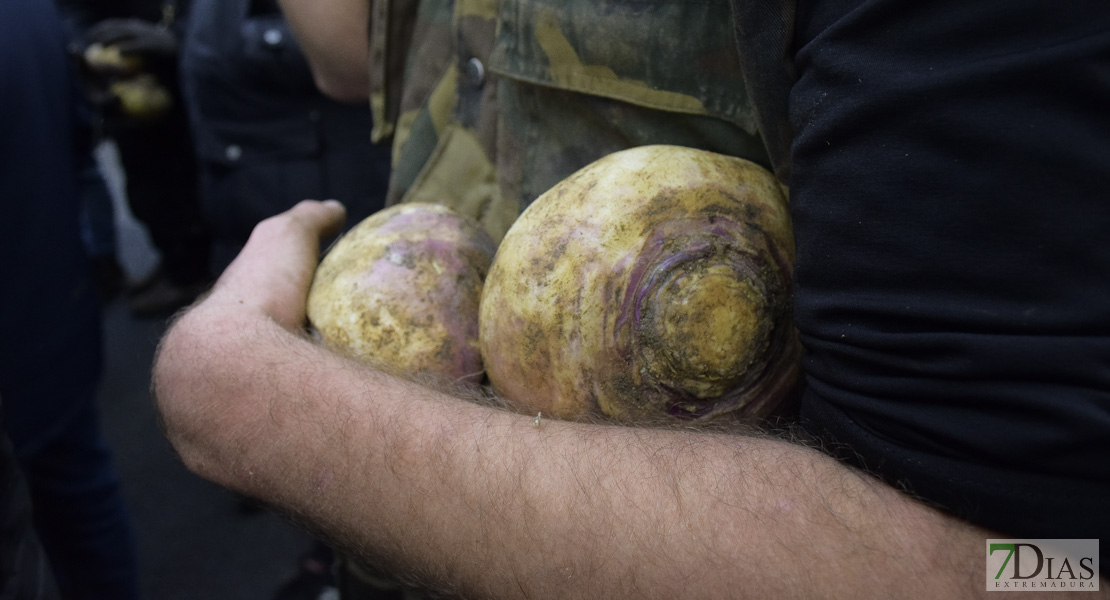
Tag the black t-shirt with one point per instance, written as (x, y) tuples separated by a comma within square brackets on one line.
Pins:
[(950, 187)]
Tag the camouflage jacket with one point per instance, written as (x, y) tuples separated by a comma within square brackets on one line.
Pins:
[(491, 102)]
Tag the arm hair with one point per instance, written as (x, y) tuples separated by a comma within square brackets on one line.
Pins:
[(476, 501)]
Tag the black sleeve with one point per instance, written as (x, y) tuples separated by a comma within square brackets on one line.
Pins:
[(951, 194)]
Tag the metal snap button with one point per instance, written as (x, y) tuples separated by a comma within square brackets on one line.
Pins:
[(273, 37), (475, 72)]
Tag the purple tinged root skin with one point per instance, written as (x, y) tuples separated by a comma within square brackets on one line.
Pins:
[(652, 284), (401, 290)]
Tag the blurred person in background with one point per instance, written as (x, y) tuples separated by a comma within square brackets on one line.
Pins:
[(265, 137), (98, 218), (50, 342), (129, 51)]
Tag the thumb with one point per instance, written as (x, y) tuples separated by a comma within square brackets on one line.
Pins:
[(317, 219), (274, 270)]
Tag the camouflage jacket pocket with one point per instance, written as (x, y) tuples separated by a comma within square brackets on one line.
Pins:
[(673, 55)]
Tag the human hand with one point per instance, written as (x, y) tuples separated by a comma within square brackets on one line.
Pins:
[(274, 270), (214, 372), (133, 36)]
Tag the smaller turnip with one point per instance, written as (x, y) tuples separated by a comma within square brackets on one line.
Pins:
[(401, 290)]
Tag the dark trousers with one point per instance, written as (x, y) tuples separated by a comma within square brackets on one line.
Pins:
[(79, 511), (24, 571)]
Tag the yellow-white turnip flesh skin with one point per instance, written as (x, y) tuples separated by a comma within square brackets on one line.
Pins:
[(401, 290), (653, 284)]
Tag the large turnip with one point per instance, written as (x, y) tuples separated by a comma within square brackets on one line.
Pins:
[(401, 290), (652, 284)]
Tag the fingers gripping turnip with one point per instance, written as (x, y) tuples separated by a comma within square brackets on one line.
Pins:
[(401, 290), (652, 284)]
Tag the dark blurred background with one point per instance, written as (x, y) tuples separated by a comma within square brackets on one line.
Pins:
[(195, 539), (159, 133)]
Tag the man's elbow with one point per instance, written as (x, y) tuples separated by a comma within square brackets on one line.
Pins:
[(347, 88)]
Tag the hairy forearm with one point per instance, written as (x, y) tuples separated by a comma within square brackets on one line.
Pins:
[(334, 36), (485, 503)]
